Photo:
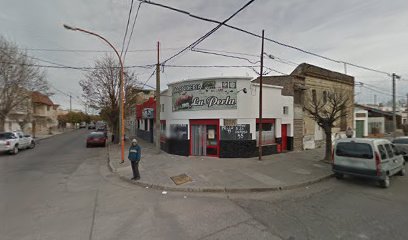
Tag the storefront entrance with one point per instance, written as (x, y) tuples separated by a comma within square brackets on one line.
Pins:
[(204, 137)]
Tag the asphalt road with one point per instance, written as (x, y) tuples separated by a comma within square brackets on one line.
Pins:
[(61, 190)]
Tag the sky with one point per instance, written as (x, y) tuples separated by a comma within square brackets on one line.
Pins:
[(367, 33)]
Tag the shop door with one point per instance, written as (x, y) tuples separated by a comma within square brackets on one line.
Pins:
[(359, 128), (284, 129), (204, 138)]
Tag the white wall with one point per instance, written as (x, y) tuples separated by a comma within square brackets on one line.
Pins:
[(247, 108), (365, 119)]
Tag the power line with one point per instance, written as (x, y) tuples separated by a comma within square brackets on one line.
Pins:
[(127, 27), (195, 43), (93, 50), (147, 66), (133, 27), (266, 38)]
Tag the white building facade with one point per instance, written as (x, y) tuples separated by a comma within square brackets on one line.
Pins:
[(220, 117)]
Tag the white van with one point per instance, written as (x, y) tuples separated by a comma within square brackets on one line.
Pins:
[(378, 159)]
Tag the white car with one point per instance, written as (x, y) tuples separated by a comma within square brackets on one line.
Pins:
[(12, 142), (377, 159)]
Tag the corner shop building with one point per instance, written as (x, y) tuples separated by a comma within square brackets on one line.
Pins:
[(219, 117)]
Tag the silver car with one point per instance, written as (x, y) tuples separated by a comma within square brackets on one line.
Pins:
[(402, 145), (377, 159)]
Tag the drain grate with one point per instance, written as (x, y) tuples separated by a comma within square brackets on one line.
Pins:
[(181, 179)]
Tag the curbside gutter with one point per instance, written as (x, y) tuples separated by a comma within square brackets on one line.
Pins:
[(51, 136), (214, 189)]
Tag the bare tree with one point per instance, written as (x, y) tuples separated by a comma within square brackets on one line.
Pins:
[(101, 88), (326, 111), (18, 78)]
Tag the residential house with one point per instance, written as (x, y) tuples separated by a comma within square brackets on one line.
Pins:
[(379, 122), (131, 123), (318, 82), (45, 114)]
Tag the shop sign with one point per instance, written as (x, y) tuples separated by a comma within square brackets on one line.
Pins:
[(204, 95), (148, 113)]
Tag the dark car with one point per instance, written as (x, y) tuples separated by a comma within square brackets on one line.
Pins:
[(96, 139), (103, 130)]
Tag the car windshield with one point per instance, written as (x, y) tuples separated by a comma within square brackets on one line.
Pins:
[(355, 150), (96, 135), (401, 141), (7, 135)]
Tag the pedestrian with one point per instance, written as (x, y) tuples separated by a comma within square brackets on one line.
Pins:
[(135, 152), (349, 132)]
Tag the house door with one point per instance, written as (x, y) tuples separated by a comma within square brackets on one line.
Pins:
[(284, 129), (359, 128), (204, 138)]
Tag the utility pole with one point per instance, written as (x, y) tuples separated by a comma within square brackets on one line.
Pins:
[(260, 100), (70, 103), (394, 117), (375, 100), (158, 99), (345, 68)]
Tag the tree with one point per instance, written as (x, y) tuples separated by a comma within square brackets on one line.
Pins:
[(18, 78), (326, 111), (101, 88)]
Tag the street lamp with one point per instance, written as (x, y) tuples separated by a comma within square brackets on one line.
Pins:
[(122, 87)]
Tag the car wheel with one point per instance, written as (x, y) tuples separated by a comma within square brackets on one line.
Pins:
[(339, 175), (87, 145), (15, 150), (32, 145), (385, 183), (402, 172)]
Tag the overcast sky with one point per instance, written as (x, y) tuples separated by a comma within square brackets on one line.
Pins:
[(369, 33)]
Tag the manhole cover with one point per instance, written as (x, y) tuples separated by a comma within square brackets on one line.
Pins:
[(180, 179)]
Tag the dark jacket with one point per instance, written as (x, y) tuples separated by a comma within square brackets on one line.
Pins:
[(135, 152)]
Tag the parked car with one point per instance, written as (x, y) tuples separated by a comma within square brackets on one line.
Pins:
[(12, 142), (96, 139), (82, 125), (102, 129), (377, 159), (402, 145), (91, 125)]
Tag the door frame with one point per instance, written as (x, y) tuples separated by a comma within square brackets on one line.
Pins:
[(284, 140), (206, 122)]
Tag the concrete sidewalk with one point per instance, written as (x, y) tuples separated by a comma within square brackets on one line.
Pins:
[(275, 172)]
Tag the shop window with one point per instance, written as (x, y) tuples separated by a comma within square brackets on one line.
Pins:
[(163, 127), (230, 122), (285, 110), (268, 133)]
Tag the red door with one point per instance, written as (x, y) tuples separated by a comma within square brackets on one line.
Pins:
[(205, 137), (284, 128)]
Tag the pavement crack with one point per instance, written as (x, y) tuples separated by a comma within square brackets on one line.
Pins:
[(93, 214), (223, 229)]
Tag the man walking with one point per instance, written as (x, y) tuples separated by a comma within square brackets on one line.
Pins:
[(135, 153)]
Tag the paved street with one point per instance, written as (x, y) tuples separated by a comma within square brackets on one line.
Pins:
[(61, 190)]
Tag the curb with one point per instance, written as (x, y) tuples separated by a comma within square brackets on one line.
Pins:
[(215, 189), (51, 136)]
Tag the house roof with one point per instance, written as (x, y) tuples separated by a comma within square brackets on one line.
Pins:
[(310, 70), (375, 110), (38, 97)]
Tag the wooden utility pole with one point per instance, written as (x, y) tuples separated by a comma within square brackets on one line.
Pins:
[(260, 100), (394, 116), (158, 100)]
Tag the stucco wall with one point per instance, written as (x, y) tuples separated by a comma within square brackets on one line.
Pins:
[(312, 135)]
